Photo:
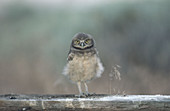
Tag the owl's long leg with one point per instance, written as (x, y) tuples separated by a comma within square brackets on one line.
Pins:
[(86, 88), (79, 87)]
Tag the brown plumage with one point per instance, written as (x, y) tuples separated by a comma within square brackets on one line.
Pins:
[(83, 63)]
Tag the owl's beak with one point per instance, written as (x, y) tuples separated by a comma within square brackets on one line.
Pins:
[(82, 44)]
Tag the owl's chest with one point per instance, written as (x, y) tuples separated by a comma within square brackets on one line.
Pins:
[(83, 64)]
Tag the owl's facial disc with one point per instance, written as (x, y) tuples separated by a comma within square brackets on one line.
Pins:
[(82, 44)]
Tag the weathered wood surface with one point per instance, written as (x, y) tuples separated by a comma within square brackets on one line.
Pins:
[(13, 102)]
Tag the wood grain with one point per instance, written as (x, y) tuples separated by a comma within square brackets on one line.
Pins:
[(99, 102)]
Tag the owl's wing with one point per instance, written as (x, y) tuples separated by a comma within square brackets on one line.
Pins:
[(70, 56), (97, 53)]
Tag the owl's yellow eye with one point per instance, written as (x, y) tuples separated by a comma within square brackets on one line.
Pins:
[(87, 41), (76, 42)]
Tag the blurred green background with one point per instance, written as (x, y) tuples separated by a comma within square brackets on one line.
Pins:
[(35, 39)]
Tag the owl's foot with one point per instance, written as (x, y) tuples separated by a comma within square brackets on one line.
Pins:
[(82, 95), (89, 94)]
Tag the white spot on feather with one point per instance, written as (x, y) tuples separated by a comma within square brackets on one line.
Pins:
[(101, 68), (65, 70)]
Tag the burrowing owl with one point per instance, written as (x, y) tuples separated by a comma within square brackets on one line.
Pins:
[(83, 63)]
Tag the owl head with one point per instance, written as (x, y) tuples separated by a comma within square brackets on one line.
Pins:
[(82, 41)]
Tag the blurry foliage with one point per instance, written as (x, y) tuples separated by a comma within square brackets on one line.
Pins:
[(34, 42)]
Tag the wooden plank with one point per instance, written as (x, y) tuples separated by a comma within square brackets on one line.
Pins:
[(14, 102)]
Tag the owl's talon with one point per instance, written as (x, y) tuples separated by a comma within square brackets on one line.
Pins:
[(90, 94), (80, 96), (85, 94)]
